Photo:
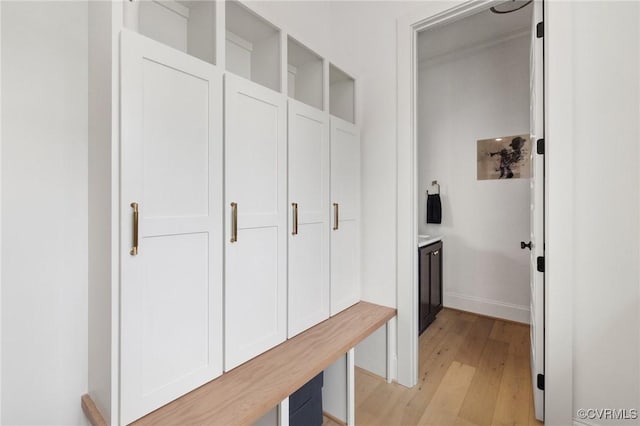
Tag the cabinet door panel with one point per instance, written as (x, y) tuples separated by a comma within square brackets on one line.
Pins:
[(174, 259), (436, 280), (309, 283), (425, 288), (252, 152), (309, 189), (345, 266), (171, 165), (255, 169), (345, 192), (345, 168), (176, 146), (252, 274)]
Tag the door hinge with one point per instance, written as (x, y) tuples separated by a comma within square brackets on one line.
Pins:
[(540, 29), (540, 263), (540, 381), (540, 146)]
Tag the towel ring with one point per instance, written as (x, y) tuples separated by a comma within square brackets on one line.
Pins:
[(437, 185)]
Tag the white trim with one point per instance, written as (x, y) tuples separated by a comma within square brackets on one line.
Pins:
[(351, 388), (284, 61), (488, 307), (559, 205), (559, 198), (239, 41), (428, 15), (638, 123), (389, 326), (463, 51), (325, 85), (283, 412), (219, 30), (0, 213), (117, 26)]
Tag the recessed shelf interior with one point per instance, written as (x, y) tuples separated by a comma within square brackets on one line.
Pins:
[(252, 46), (188, 26), (304, 74), (341, 94)]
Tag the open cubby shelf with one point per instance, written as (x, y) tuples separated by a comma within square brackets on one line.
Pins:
[(252, 49), (341, 94), (185, 25), (252, 46), (305, 74)]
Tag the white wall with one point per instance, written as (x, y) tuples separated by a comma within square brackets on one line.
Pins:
[(606, 247), (44, 218), (462, 97)]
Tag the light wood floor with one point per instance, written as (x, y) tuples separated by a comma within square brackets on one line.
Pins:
[(474, 371)]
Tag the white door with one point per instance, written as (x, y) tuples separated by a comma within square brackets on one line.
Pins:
[(256, 220), (537, 212), (171, 282), (309, 223), (345, 199)]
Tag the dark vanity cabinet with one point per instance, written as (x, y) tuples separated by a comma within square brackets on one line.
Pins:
[(430, 291)]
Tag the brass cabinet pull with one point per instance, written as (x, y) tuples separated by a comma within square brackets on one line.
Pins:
[(134, 249), (234, 222), (295, 218), (336, 216)]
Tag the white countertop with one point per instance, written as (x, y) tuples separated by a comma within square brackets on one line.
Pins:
[(425, 240)]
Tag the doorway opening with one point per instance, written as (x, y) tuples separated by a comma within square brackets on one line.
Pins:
[(475, 120)]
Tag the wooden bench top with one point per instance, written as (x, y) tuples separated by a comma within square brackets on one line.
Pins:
[(249, 391)]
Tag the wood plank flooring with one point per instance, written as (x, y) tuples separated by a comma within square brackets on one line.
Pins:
[(474, 371)]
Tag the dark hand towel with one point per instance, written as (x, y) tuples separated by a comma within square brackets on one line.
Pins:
[(434, 208)]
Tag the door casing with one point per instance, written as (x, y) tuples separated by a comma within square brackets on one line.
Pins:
[(405, 364)]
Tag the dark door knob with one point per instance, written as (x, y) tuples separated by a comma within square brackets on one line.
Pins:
[(523, 245)]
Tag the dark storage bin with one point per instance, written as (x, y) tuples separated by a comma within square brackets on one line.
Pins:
[(305, 404), (310, 414)]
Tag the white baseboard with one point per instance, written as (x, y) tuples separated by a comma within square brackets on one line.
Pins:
[(482, 306)]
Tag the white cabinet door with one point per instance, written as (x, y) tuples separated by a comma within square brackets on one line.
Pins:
[(345, 199), (309, 221), (256, 220), (171, 166)]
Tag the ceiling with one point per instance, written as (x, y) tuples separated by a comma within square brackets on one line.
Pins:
[(473, 30)]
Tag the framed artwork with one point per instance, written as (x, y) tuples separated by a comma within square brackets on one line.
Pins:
[(507, 157)]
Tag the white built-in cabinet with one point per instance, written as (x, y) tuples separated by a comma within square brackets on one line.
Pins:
[(224, 167), (345, 198), (256, 238), (309, 168), (171, 209)]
